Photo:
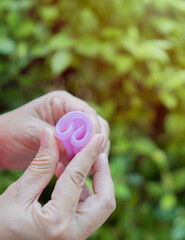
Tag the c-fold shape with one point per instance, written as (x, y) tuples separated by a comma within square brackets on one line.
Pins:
[(74, 130)]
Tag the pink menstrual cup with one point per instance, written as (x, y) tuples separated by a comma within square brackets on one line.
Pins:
[(74, 130)]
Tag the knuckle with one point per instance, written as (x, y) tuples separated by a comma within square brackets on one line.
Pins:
[(54, 95), (50, 94), (110, 204), (93, 150), (42, 162), (54, 92), (63, 93), (42, 159), (64, 104), (41, 154), (94, 112), (106, 124), (78, 177)]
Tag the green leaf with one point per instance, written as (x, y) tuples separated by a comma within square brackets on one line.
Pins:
[(164, 25), (168, 201), (123, 64), (175, 124), (48, 13), (118, 166), (122, 191), (25, 29), (160, 159), (175, 79), (154, 188), (179, 5), (143, 146), (112, 32), (168, 99), (153, 49), (60, 61), (60, 41), (108, 108), (89, 20), (179, 179), (7, 46), (87, 46), (40, 50)]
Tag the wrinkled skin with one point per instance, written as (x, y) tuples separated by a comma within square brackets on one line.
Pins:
[(21, 128), (73, 212)]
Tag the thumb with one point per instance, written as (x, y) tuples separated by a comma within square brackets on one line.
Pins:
[(42, 168)]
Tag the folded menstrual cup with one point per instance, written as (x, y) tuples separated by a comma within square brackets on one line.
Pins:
[(74, 130)]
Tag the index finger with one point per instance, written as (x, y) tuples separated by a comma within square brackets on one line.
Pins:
[(69, 186)]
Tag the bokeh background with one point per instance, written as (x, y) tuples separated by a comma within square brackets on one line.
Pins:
[(126, 58)]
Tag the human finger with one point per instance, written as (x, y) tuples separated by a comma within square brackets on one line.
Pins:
[(42, 168), (94, 211), (62, 102), (105, 130), (69, 186)]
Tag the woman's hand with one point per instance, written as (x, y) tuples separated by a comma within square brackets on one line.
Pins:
[(20, 129), (73, 212)]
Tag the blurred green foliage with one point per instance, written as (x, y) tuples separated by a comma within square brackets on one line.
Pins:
[(126, 58)]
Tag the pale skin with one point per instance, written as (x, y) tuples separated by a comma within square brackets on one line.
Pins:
[(73, 212)]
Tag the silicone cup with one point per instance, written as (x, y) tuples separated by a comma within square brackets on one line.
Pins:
[(74, 130)]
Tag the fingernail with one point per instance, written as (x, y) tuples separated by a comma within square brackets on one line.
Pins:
[(44, 138), (100, 142)]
